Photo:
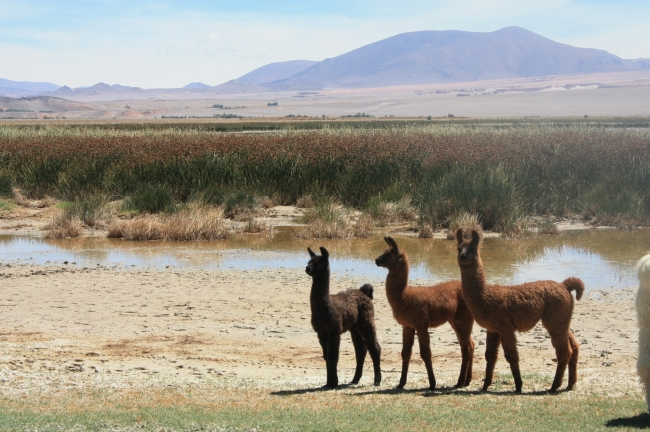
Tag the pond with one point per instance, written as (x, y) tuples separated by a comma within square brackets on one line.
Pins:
[(601, 258)]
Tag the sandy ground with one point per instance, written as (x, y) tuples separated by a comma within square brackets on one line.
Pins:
[(68, 327)]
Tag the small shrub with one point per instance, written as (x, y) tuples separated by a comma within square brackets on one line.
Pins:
[(514, 228), (425, 231), (63, 225), (266, 202), (93, 212), (145, 227), (386, 212), (330, 220), (363, 227), (151, 199)]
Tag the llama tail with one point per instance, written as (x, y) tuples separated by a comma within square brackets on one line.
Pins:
[(574, 284), (367, 289)]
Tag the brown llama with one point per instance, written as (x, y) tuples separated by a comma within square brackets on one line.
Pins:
[(333, 315), (504, 310), (417, 309)]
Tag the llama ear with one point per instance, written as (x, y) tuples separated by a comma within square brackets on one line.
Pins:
[(311, 252), (391, 242), (476, 237), (324, 252), (459, 235)]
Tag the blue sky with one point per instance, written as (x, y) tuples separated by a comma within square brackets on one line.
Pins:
[(171, 43)]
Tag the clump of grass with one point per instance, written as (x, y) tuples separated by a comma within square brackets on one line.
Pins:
[(305, 202), (254, 226), (212, 195), (466, 221), (387, 212), (266, 202), (192, 224), (150, 199), (63, 225), (515, 228), (239, 203), (425, 231), (547, 227), (92, 212), (330, 220)]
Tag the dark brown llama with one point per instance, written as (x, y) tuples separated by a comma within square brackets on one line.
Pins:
[(419, 308), (504, 310), (333, 315)]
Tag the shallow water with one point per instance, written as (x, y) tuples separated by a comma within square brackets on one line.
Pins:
[(601, 258)]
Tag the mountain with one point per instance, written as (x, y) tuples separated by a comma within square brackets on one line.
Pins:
[(426, 57), (196, 85), (24, 88), (236, 86), (276, 71), (97, 89)]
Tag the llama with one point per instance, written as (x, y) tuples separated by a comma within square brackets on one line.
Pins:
[(503, 310), (333, 315), (643, 318), (417, 309)]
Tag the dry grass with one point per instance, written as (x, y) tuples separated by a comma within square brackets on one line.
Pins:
[(63, 226), (332, 221), (188, 225), (254, 226), (547, 227), (387, 212), (467, 222), (363, 227), (425, 231)]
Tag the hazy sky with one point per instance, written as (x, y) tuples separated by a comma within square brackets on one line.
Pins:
[(172, 43)]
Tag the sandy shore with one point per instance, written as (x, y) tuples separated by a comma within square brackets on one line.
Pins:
[(105, 327)]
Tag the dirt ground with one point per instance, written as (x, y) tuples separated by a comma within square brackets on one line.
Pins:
[(63, 326)]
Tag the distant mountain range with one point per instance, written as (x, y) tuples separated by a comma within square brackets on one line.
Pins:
[(24, 88), (276, 71), (429, 57), (424, 57)]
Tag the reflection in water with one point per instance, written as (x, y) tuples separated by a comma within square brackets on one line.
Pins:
[(602, 259)]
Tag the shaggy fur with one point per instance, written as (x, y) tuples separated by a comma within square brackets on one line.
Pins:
[(419, 308), (333, 315), (504, 310), (643, 317)]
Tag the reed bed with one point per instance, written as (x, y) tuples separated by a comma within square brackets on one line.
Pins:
[(500, 172)]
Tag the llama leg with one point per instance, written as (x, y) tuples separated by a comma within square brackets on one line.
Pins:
[(492, 342), (408, 337), (333, 346), (322, 339), (464, 336), (563, 352), (369, 334), (360, 351), (425, 353), (573, 363), (509, 343)]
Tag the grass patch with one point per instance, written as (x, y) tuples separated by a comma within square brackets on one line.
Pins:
[(330, 220), (150, 199), (466, 221), (312, 409), (191, 224), (63, 225)]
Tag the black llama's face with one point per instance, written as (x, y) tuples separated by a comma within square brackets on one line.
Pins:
[(318, 264), (391, 256), (467, 248)]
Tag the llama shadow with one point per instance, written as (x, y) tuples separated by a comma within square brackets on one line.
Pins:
[(639, 421), (511, 393), (397, 391), (307, 390)]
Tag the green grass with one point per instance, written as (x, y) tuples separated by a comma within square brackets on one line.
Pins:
[(310, 409)]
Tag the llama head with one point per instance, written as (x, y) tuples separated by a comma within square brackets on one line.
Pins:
[(467, 248), (318, 264), (393, 255)]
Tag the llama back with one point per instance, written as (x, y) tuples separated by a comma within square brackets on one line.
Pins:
[(368, 290)]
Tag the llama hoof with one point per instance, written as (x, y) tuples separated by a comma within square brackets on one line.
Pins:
[(484, 389), (353, 382), (377, 383), (518, 391)]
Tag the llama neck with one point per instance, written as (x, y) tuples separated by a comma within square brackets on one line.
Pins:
[(320, 290), (397, 281), (473, 279)]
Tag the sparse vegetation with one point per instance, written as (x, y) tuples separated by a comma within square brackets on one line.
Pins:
[(514, 171)]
